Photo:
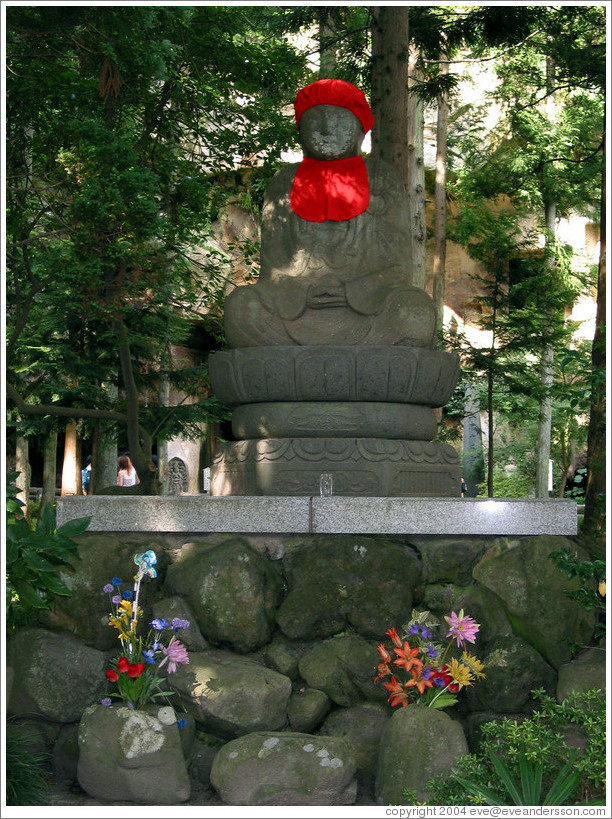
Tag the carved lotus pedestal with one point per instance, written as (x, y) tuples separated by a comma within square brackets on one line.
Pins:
[(363, 413)]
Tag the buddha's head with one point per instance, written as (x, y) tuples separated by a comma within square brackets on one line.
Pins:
[(333, 117)]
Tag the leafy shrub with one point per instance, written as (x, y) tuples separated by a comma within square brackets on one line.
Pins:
[(543, 740), (34, 553)]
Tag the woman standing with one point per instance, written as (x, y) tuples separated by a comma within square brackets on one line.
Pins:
[(127, 475)]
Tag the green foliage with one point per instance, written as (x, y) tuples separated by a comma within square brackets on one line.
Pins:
[(529, 790), (534, 758), (26, 778), (591, 594), (123, 123), (33, 556)]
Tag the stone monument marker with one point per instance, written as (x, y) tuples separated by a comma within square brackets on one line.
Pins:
[(332, 367)]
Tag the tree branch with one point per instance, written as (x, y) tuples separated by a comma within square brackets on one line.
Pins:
[(63, 412)]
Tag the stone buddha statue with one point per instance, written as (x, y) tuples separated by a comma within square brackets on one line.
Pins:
[(334, 241), (332, 367)]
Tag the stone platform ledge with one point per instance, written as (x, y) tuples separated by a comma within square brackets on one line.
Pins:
[(316, 515)]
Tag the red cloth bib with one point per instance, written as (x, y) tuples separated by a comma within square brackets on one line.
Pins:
[(334, 189)]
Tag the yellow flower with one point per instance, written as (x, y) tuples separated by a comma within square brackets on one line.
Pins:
[(474, 664), (602, 588), (460, 673)]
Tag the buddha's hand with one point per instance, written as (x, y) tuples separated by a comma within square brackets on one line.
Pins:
[(327, 292)]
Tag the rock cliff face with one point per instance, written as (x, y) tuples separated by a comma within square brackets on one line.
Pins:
[(282, 645)]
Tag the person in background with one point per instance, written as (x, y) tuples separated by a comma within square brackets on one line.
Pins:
[(127, 475), (86, 475)]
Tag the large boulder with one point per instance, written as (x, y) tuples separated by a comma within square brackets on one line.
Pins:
[(417, 743), (344, 668), (132, 755), (231, 696), (39, 659), (233, 591), (340, 580), (513, 669), (534, 592), (268, 768)]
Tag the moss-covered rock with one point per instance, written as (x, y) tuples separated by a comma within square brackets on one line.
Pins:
[(533, 590), (233, 591), (285, 769), (343, 580)]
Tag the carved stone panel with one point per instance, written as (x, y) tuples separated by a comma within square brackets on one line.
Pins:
[(412, 375), (360, 466)]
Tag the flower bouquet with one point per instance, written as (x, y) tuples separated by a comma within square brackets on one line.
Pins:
[(134, 669), (423, 670)]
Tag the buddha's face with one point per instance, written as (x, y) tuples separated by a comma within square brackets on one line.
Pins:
[(330, 132)]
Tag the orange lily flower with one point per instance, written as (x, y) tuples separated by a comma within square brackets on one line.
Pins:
[(420, 683), (407, 657), (397, 693), (394, 636), (383, 671), (384, 653)]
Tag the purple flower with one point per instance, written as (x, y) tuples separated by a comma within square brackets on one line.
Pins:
[(413, 629), (175, 653), (106, 702), (439, 682), (108, 589), (148, 656), (116, 581), (426, 673), (116, 599), (431, 652), (426, 633), (127, 595), (178, 624), (159, 624)]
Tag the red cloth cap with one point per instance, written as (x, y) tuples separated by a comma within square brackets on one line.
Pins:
[(334, 92)]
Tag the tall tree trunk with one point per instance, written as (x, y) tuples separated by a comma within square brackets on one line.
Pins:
[(546, 365), (439, 256), (390, 84), (70, 469), (415, 186), (49, 469), (594, 503), (327, 51)]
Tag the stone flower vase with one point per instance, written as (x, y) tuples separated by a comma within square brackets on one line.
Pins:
[(417, 743), (133, 756)]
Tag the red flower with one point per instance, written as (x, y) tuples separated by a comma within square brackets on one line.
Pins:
[(397, 693), (111, 675), (135, 669), (122, 665), (407, 657), (453, 687), (392, 633), (383, 671), (384, 653)]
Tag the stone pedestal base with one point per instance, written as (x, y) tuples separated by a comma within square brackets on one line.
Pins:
[(360, 466)]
